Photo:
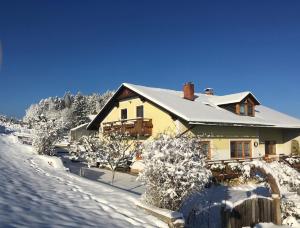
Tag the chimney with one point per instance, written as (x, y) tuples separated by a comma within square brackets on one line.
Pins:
[(209, 91), (188, 91)]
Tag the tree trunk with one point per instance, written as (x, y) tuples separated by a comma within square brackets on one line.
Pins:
[(113, 176)]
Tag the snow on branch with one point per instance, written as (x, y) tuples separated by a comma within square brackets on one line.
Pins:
[(174, 169)]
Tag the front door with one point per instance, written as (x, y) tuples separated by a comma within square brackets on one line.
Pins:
[(270, 148)]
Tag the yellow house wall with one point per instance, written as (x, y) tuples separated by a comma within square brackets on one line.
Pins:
[(220, 138), (161, 120)]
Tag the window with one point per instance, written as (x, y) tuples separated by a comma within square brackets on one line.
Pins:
[(140, 111), (240, 149), (205, 146), (123, 114), (250, 110), (242, 109), (247, 149)]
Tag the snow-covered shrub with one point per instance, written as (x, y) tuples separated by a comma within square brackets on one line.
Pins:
[(44, 140), (293, 160), (174, 169), (291, 221), (217, 167), (46, 134)]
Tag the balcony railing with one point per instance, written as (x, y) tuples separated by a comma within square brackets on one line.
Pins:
[(132, 127)]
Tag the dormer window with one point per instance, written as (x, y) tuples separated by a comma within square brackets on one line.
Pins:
[(245, 108), (242, 109), (242, 104)]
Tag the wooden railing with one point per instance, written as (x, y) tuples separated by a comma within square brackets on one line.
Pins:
[(132, 127)]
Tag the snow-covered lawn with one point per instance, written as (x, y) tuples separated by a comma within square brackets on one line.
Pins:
[(122, 180), (37, 191)]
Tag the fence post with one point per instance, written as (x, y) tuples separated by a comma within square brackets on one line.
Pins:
[(276, 209), (81, 172)]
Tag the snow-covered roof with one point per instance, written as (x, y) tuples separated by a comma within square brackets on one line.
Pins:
[(91, 117), (79, 127), (205, 110), (231, 98)]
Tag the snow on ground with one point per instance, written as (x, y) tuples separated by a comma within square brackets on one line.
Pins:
[(122, 180), (37, 191)]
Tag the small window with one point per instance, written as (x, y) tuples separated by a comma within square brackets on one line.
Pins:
[(140, 111), (250, 110), (124, 114), (242, 109)]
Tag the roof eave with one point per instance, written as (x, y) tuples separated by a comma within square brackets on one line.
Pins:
[(228, 124), (91, 124)]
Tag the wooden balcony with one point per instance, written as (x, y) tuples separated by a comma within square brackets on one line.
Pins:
[(132, 127)]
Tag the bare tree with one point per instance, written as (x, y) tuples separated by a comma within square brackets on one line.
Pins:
[(114, 150), (118, 150)]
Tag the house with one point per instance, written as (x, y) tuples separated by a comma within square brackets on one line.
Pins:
[(231, 126), (77, 132)]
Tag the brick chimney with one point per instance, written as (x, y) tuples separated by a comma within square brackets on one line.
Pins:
[(189, 91), (209, 91)]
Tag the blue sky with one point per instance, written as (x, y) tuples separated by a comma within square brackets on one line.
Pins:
[(52, 46)]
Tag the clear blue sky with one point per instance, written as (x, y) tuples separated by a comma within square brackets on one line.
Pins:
[(51, 46)]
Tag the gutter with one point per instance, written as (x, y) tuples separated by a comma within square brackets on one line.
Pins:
[(229, 124)]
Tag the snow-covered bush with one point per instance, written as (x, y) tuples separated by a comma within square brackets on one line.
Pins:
[(44, 139), (174, 169)]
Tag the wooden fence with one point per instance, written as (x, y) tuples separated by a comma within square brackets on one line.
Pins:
[(250, 212)]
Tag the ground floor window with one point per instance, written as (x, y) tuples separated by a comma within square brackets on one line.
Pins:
[(240, 149), (205, 146)]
